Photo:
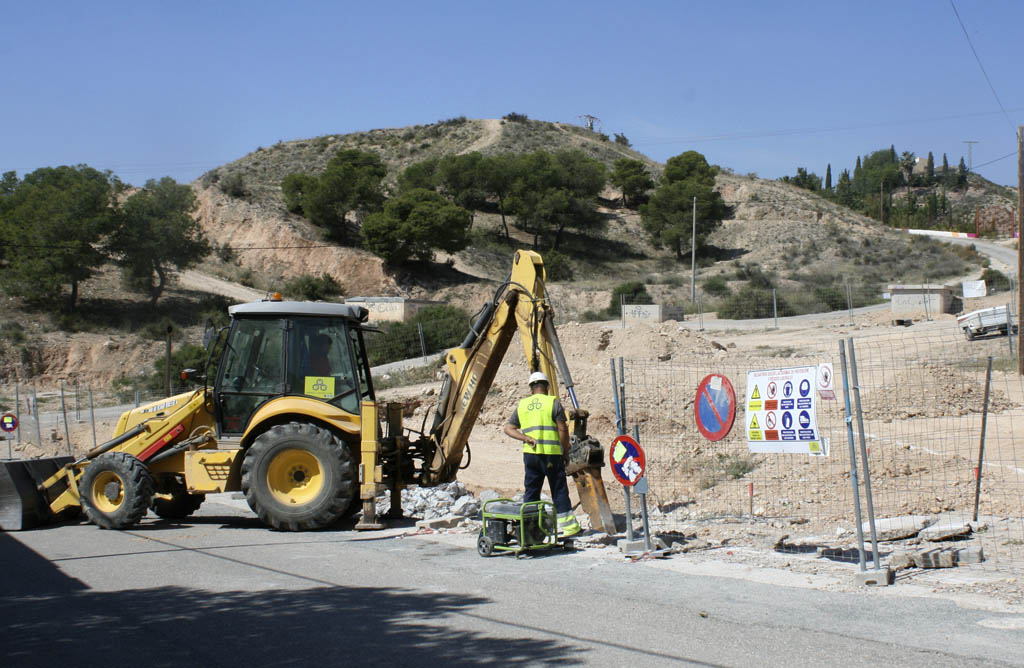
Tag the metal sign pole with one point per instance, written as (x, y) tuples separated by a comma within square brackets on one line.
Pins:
[(853, 454), (643, 500), (620, 425)]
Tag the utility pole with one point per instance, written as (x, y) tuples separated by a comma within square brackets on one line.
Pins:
[(881, 200), (970, 160), (1020, 257), (693, 255)]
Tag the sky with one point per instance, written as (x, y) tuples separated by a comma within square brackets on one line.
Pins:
[(150, 89)]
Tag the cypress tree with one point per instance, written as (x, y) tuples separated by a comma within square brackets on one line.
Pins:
[(931, 168), (828, 177)]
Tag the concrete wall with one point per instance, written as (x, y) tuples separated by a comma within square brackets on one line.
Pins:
[(633, 313), (390, 309), (921, 298)]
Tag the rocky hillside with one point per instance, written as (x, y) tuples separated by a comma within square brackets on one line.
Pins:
[(771, 225), (775, 225)]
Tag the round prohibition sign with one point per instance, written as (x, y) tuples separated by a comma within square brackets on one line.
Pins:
[(8, 422), (714, 407), (627, 460)]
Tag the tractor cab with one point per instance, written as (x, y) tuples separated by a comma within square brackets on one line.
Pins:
[(281, 348)]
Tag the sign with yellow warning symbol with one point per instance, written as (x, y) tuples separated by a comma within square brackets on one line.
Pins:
[(781, 411)]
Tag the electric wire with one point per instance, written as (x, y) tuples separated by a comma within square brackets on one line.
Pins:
[(977, 58)]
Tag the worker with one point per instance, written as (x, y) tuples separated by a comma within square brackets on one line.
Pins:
[(539, 422), (319, 364)]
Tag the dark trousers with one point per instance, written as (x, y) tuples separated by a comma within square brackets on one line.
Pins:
[(552, 467)]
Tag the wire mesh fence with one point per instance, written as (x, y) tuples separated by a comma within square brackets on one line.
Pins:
[(938, 453)]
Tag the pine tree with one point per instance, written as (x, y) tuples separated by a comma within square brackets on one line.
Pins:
[(828, 176)]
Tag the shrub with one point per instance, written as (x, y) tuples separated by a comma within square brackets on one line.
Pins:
[(233, 185), (516, 118), (753, 303), (995, 280), (557, 266), (630, 292), (757, 277), (716, 287), (310, 288), (443, 327), (13, 332)]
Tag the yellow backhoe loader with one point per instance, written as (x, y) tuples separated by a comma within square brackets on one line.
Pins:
[(291, 420)]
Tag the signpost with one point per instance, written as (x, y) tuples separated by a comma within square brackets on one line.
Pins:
[(714, 407), (627, 460), (8, 423)]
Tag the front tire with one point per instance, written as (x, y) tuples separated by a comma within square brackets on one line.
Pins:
[(298, 477), (116, 490)]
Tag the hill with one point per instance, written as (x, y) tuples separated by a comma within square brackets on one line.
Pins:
[(776, 226), (775, 232)]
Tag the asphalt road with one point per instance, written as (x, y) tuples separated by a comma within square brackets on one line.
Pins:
[(221, 590)]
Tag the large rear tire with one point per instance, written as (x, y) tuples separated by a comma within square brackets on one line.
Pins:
[(116, 490), (298, 477)]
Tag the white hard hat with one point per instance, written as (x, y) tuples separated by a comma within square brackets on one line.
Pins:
[(538, 377)]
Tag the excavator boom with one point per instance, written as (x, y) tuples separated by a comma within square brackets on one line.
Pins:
[(520, 304)]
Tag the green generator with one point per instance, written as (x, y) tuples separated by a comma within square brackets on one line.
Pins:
[(509, 526)]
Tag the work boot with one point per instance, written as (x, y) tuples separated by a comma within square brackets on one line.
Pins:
[(567, 525)]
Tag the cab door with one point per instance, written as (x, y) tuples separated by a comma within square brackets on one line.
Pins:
[(252, 372)]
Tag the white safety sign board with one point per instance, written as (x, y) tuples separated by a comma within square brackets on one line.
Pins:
[(781, 411)]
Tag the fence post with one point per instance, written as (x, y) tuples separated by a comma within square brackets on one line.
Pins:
[(17, 407), (775, 309), (1009, 328), (35, 414), (423, 341), (864, 456), (700, 311), (136, 398), (64, 414), (853, 453), (92, 417), (849, 300), (620, 424), (78, 414), (981, 445)]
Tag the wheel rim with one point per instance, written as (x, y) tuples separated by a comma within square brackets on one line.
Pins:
[(107, 492), (295, 477)]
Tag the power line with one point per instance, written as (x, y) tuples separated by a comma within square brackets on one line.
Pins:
[(974, 51), (800, 131), (1008, 155)]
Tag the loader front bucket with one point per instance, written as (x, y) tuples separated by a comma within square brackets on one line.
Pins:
[(22, 504)]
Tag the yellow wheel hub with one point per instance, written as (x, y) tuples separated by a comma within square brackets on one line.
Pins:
[(107, 492), (295, 477)]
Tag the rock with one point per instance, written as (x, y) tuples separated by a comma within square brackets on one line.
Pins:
[(897, 528), (936, 558), (466, 506), (939, 532), (488, 495), (970, 555), (901, 560)]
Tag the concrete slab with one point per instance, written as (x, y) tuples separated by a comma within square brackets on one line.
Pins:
[(897, 528), (873, 578), (938, 532), (446, 522)]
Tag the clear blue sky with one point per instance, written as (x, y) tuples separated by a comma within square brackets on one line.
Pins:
[(150, 89)]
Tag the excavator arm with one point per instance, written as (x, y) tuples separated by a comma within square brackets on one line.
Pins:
[(520, 304)]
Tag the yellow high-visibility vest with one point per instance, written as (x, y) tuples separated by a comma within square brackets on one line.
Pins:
[(536, 421)]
